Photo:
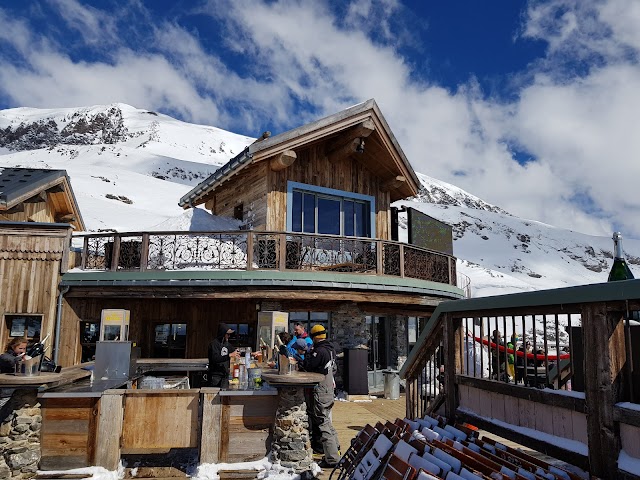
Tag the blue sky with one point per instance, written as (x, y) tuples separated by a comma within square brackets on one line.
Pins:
[(531, 105)]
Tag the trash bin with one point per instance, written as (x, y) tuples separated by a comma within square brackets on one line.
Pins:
[(391, 384)]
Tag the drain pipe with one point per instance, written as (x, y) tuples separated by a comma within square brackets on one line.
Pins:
[(58, 321)]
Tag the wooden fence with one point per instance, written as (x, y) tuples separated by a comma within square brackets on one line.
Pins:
[(572, 392)]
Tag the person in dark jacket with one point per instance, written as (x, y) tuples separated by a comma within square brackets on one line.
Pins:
[(16, 350), (220, 354), (322, 359)]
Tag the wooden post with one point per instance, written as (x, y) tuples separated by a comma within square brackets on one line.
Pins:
[(211, 428), (282, 252), (250, 250), (452, 365), (85, 252), (401, 253), (115, 253), (603, 340), (110, 429), (144, 252), (379, 257), (409, 397)]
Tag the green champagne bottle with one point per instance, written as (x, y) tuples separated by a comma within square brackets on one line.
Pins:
[(619, 269)]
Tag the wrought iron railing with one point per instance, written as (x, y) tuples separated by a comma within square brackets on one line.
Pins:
[(253, 250)]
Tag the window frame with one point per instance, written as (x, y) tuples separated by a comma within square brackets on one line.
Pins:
[(9, 324), (332, 194)]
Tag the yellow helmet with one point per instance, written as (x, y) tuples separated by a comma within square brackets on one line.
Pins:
[(318, 331)]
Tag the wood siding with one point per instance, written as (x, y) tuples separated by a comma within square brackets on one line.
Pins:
[(30, 265), (312, 167), (263, 192), (201, 316), (248, 188), (520, 412)]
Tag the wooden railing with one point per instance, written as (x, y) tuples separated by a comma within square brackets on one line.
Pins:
[(578, 381), (253, 250)]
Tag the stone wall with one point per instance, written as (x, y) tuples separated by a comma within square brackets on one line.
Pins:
[(20, 422), (348, 327), (398, 341)]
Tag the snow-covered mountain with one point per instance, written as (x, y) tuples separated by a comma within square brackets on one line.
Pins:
[(129, 167)]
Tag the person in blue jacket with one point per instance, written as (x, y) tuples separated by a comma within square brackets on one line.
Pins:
[(299, 333)]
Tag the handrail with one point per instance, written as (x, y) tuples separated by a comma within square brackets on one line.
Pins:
[(263, 250), (499, 348)]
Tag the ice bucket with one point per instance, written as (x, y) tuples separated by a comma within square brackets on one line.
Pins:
[(28, 368)]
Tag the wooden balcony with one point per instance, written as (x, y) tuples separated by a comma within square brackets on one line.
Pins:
[(270, 251), (573, 394)]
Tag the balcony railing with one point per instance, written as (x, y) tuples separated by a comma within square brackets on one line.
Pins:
[(253, 250)]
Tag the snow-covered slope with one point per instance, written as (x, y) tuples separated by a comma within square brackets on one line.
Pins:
[(129, 167)]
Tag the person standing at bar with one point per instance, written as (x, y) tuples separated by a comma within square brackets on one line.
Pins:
[(322, 359), (220, 354)]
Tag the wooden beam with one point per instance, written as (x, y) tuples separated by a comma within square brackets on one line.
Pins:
[(37, 198), (350, 140), (56, 189), (393, 183), (343, 151), (211, 418), (110, 422), (19, 208), (283, 160), (65, 218)]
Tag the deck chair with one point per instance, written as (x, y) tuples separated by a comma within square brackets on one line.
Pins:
[(404, 450), (444, 466), (422, 475), (420, 445), (469, 475), (358, 448), (419, 463), (397, 469), (373, 459)]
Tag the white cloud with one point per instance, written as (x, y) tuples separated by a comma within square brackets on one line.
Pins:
[(575, 115)]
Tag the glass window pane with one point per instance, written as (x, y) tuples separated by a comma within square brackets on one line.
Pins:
[(319, 316), (362, 219), (296, 212), (309, 213), (348, 219), (328, 216)]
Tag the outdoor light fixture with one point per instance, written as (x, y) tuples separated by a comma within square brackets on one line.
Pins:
[(360, 147)]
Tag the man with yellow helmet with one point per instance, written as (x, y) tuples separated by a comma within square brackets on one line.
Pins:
[(322, 359)]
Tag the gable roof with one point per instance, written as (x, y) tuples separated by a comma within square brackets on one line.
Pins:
[(18, 185), (392, 164)]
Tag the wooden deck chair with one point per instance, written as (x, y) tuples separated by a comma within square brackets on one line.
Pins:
[(358, 448), (444, 466), (419, 445), (419, 463), (485, 467), (469, 475), (403, 450), (397, 469), (373, 459), (422, 475)]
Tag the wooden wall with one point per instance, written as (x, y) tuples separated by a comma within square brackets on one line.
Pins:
[(263, 192), (248, 188), (68, 434), (201, 316), (553, 420), (30, 266), (312, 167), (32, 212)]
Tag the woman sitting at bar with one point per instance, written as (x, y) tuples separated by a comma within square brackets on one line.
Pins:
[(16, 350)]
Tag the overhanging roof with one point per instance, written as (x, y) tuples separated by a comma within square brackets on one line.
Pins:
[(20, 184), (307, 134)]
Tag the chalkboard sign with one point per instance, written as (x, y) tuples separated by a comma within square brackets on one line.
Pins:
[(427, 232)]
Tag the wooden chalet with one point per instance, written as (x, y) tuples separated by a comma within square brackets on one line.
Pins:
[(38, 213), (316, 242)]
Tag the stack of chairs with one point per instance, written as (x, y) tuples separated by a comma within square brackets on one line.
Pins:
[(430, 449)]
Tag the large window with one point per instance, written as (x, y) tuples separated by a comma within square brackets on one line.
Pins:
[(327, 211), (170, 340), (308, 320)]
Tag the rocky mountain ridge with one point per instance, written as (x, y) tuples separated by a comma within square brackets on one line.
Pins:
[(129, 167)]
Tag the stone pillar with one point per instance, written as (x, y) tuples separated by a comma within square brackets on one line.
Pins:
[(348, 327), (20, 422), (291, 444), (398, 340)]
